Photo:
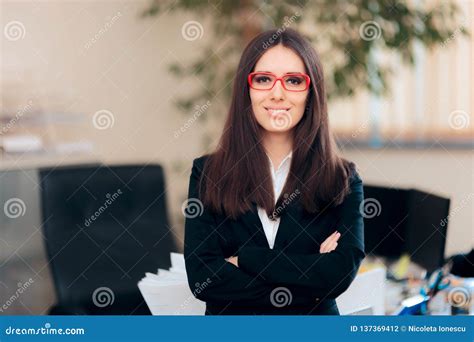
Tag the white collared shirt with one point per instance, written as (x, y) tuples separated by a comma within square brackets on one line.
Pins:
[(278, 179)]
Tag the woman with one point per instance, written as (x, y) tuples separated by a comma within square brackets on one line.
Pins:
[(277, 228)]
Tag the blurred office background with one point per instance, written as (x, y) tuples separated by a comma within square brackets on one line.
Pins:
[(89, 82)]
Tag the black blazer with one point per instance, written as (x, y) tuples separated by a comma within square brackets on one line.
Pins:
[(293, 278)]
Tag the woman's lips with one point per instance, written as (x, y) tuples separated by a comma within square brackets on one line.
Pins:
[(277, 111)]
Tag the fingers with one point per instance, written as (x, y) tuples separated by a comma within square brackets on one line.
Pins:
[(233, 260), (330, 240), (330, 243), (328, 246)]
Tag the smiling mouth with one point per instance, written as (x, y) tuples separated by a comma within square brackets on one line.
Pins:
[(277, 111)]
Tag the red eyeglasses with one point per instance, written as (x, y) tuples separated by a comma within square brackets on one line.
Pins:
[(267, 80)]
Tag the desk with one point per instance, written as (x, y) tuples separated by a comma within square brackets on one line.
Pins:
[(396, 292)]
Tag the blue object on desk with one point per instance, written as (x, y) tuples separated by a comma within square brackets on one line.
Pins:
[(416, 305), (437, 282)]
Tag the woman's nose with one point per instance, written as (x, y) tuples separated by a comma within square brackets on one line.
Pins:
[(278, 92)]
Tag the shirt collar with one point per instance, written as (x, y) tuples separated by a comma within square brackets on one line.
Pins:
[(287, 158)]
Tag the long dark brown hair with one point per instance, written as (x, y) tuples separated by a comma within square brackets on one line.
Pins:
[(236, 174)]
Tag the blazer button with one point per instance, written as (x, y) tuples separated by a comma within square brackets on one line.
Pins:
[(317, 299)]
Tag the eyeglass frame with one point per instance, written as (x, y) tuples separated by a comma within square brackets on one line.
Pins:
[(306, 77)]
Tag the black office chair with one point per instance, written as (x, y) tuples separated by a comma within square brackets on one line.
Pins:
[(104, 227)]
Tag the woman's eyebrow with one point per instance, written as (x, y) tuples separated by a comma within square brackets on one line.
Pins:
[(290, 72)]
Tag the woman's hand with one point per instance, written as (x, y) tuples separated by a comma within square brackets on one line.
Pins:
[(233, 260), (330, 243)]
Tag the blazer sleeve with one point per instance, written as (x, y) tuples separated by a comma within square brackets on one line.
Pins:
[(210, 277), (326, 274)]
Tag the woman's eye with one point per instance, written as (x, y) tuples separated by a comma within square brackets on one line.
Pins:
[(262, 79), (294, 80)]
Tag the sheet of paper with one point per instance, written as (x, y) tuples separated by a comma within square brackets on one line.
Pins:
[(177, 262), (168, 292)]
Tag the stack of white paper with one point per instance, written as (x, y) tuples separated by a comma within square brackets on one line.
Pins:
[(168, 293)]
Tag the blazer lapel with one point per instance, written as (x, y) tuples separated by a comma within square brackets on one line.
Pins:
[(254, 226), (284, 230), (288, 229)]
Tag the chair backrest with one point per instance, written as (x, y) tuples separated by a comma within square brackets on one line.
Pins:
[(104, 227)]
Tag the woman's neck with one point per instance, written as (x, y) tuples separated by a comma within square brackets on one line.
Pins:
[(277, 146)]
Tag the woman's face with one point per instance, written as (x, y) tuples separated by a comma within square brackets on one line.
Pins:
[(278, 110)]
